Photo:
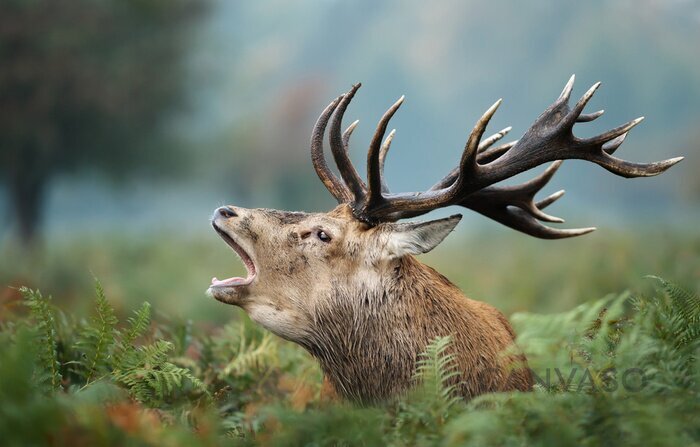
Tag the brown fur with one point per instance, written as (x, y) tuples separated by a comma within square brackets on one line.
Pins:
[(364, 312)]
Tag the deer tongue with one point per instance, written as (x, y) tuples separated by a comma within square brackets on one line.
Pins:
[(235, 281)]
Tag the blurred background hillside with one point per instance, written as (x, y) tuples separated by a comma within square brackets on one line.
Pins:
[(123, 124)]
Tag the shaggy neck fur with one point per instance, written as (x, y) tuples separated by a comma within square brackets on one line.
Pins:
[(368, 343)]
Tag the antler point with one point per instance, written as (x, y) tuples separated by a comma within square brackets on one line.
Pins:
[(579, 231), (489, 113), (566, 93)]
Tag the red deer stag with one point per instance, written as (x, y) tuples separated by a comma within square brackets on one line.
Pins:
[(345, 284)]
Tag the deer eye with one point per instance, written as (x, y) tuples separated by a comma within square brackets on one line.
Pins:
[(323, 236)]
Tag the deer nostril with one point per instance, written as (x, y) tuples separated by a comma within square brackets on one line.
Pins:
[(227, 212)]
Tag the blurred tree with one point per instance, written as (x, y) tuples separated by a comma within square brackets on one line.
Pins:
[(86, 84)]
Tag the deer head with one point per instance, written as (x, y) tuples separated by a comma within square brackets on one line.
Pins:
[(344, 284)]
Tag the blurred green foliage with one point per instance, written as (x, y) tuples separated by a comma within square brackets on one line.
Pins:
[(184, 389), (86, 84)]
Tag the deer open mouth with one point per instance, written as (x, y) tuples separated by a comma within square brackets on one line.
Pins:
[(243, 255)]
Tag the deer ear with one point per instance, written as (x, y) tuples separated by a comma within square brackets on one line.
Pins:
[(414, 238)]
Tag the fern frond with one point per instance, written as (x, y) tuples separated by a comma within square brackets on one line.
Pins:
[(424, 410), (43, 315), (99, 335), (686, 303), (138, 325), (251, 356), (436, 367), (681, 314), (150, 377)]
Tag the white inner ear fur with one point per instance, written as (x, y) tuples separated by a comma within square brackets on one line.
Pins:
[(414, 238)]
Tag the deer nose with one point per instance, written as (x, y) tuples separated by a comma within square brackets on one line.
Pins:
[(226, 212)]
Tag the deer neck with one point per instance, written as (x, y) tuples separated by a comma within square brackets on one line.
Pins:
[(368, 335)]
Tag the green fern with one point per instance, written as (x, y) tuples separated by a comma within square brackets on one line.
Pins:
[(436, 368), (98, 337), (138, 325), (686, 303), (682, 312), (150, 377), (251, 355), (43, 315), (425, 410)]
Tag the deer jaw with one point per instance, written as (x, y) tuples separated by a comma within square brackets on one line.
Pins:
[(289, 267)]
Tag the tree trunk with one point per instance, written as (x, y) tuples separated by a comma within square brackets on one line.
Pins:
[(27, 193)]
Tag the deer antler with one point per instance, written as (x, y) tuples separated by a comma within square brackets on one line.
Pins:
[(470, 184)]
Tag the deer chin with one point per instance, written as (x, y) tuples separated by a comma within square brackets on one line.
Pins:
[(227, 290)]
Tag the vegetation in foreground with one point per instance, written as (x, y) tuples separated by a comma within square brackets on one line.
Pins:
[(622, 370)]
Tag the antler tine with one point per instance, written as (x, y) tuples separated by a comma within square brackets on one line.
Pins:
[(581, 103), (334, 185), (468, 166), (486, 154), (629, 169), (487, 143), (514, 206), (338, 148), (473, 150), (587, 117), (532, 187), (493, 153), (566, 93), (611, 146), (473, 143), (519, 220), (348, 133), (601, 147), (544, 203), (612, 134), (374, 158), (382, 158)]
